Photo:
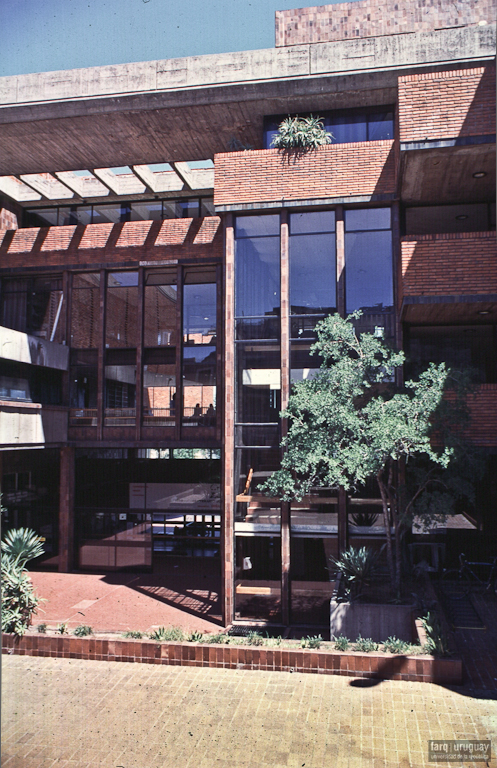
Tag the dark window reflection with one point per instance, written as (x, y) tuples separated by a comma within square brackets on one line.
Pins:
[(258, 384), (368, 260), (312, 263), (464, 347), (257, 273)]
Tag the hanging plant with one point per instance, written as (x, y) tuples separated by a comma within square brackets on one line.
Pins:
[(301, 134)]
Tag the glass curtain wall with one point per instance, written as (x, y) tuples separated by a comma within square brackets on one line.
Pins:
[(121, 340), (85, 335), (160, 340), (34, 306), (258, 402)]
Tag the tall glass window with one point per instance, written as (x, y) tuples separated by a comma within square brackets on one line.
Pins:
[(161, 300), (121, 329), (34, 306), (85, 310), (199, 347), (368, 264)]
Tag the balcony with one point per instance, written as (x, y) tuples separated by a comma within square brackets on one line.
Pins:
[(356, 172), (25, 425), (449, 278)]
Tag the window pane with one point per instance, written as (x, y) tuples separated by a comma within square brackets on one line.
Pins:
[(160, 315), (257, 276), (312, 274), (257, 226), (122, 310), (199, 313), (85, 310), (80, 214), (366, 219), (83, 382), (207, 207), (107, 213), (15, 304), (149, 211), (42, 217), (303, 365), (347, 128), (318, 221), (258, 384), (368, 265), (120, 395), (199, 386), (258, 328), (380, 126), (159, 394)]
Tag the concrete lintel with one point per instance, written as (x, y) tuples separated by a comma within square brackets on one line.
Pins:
[(184, 172), (18, 190), (277, 204), (461, 141)]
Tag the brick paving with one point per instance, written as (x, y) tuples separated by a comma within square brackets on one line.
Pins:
[(478, 647), (69, 713)]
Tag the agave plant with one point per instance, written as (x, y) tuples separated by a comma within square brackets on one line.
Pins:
[(19, 601), (21, 545), (301, 134), (358, 567)]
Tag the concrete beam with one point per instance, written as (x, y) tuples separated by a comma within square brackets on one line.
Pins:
[(18, 190), (83, 186), (47, 185)]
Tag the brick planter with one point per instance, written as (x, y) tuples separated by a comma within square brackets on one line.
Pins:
[(380, 666)]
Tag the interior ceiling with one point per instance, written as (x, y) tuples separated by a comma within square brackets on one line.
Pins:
[(449, 313), (431, 175), (194, 131)]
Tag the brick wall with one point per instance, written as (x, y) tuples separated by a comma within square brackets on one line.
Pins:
[(341, 170), (453, 265), (369, 18), (107, 244), (483, 409), (443, 105)]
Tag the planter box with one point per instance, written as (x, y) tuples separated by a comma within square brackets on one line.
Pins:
[(377, 621)]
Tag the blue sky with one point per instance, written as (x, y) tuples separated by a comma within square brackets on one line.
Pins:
[(46, 35)]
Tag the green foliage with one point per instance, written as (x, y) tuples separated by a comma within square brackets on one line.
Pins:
[(133, 634), (311, 642), (220, 637), (21, 545), (342, 643), (195, 636), (19, 601), (301, 134), (366, 645), (255, 638), (272, 642), (42, 629), (62, 629), (349, 423), (437, 642), (83, 630), (395, 645), (161, 634), (358, 567)]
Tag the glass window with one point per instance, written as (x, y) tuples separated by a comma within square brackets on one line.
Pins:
[(180, 209), (34, 306), (199, 386), (380, 126), (120, 393), (83, 381), (257, 226), (42, 217), (368, 260), (110, 213), (257, 276), (148, 211), (80, 214), (347, 128), (199, 312), (122, 310), (161, 298), (159, 388), (85, 311), (470, 347), (303, 365), (312, 263), (258, 384), (207, 207)]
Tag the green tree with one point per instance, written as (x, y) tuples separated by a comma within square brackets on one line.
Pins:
[(350, 423)]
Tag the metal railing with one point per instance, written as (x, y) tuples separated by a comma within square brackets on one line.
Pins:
[(119, 417), (158, 417), (83, 417)]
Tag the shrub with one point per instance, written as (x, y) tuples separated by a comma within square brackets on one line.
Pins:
[(301, 134), (342, 643), (358, 567), (365, 519), (437, 641), (366, 645), (19, 601), (311, 642), (41, 628), (62, 629), (255, 638), (133, 634), (21, 545), (167, 633), (395, 645), (272, 642), (83, 631), (195, 636), (220, 637)]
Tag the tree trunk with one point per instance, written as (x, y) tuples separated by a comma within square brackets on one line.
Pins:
[(386, 518)]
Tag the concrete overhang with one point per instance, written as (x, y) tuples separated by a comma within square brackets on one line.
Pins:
[(440, 310), (23, 348), (446, 172), (167, 111)]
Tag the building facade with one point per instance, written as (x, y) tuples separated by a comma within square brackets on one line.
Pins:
[(163, 269)]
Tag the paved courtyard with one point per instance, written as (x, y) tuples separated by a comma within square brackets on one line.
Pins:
[(65, 713)]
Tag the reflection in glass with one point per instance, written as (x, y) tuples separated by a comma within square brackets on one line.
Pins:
[(258, 383), (199, 313), (85, 312), (120, 395), (76, 214), (368, 260), (121, 329), (199, 386), (159, 394), (110, 213), (148, 211), (312, 274), (34, 306), (83, 388), (257, 271), (303, 365), (159, 327)]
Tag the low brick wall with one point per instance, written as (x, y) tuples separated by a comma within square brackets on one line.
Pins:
[(372, 665)]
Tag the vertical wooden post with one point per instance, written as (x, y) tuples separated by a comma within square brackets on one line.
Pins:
[(101, 360), (340, 258), (285, 393), (227, 548), (139, 355), (66, 510), (343, 528)]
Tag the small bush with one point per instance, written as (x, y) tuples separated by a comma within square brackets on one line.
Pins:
[(62, 629), (42, 629), (195, 636), (220, 637), (366, 645), (301, 134), (395, 645), (83, 630), (437, 641), (272, 642), (311, 642), (342, 643), (255, 638), (358, 567), (19, 601), (167, 633), (133, 634)]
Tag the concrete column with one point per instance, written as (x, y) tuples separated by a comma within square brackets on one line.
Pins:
[(285, 393), (66, 510), (227, 548)]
